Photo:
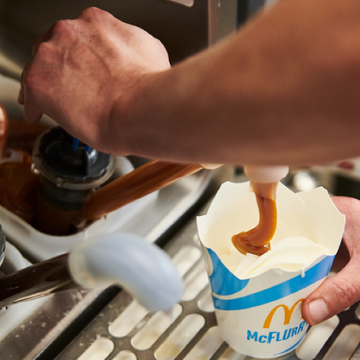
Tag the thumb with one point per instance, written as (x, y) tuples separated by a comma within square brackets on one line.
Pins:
[(342, 290), (334, 295)]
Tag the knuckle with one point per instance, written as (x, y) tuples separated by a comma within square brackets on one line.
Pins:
[(160, 44), (43, 50), (62, 26), (346, 293), (163, 49), (91, 12)]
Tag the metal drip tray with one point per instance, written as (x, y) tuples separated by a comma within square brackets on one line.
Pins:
[(111, 325), (49, 327), (124, 330)]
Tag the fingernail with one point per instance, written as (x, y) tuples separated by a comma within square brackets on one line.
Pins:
[(318, 311)]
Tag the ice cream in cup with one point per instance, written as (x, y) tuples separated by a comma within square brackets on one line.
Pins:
[(257, 299)]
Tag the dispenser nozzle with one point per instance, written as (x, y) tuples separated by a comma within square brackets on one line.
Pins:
[(264, 178), (265, 173)]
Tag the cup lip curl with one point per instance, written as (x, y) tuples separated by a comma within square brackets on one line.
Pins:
[(312, 215)]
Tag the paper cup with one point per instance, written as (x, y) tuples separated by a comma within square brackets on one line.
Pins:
[(260, 315)]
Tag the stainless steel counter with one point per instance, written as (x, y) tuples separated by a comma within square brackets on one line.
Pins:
[(59, 319), (110, 325)]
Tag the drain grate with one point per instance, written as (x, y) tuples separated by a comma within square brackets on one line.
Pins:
[(125, 330)]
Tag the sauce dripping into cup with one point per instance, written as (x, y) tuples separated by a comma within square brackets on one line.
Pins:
[(257, 240), (264, 181)]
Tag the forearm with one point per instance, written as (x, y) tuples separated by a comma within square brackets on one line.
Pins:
[(283, 90)]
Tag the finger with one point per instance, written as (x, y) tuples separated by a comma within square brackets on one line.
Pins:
[(32, 114), (335, 295), (23, 74), (342, 290), (351, 208), (45, 36), (21, 95)]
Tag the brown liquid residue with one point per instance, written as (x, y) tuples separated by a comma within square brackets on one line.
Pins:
[(22, 135), (17, 181), (257, 240), (142, 181), (19, 186), (4, 127), (51, 220)]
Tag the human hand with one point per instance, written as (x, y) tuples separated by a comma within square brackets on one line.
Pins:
[(339, 292), (81, 67)]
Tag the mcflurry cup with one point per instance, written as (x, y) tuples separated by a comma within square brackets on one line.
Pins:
[(258, 299)]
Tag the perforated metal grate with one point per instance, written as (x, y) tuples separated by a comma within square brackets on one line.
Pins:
[(124, 330)]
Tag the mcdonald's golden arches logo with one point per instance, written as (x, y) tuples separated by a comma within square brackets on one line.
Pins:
[(287, 314)]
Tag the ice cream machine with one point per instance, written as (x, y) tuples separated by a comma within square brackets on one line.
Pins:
[(184, 26), (105, 323)]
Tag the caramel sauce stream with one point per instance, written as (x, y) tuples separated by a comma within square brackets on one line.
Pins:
[(257, 240)]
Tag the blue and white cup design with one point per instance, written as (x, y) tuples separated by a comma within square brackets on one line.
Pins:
[(262, 321), (260, 316)]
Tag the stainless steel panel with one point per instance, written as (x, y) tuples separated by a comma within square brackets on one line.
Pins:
[(99, 326), (183, 30), (57, 322)]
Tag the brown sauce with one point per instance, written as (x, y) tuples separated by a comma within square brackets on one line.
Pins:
[(17, 181), (257, 240), (19, 186), (52, 220), (22, 135), (144, 180), (4, 126)]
